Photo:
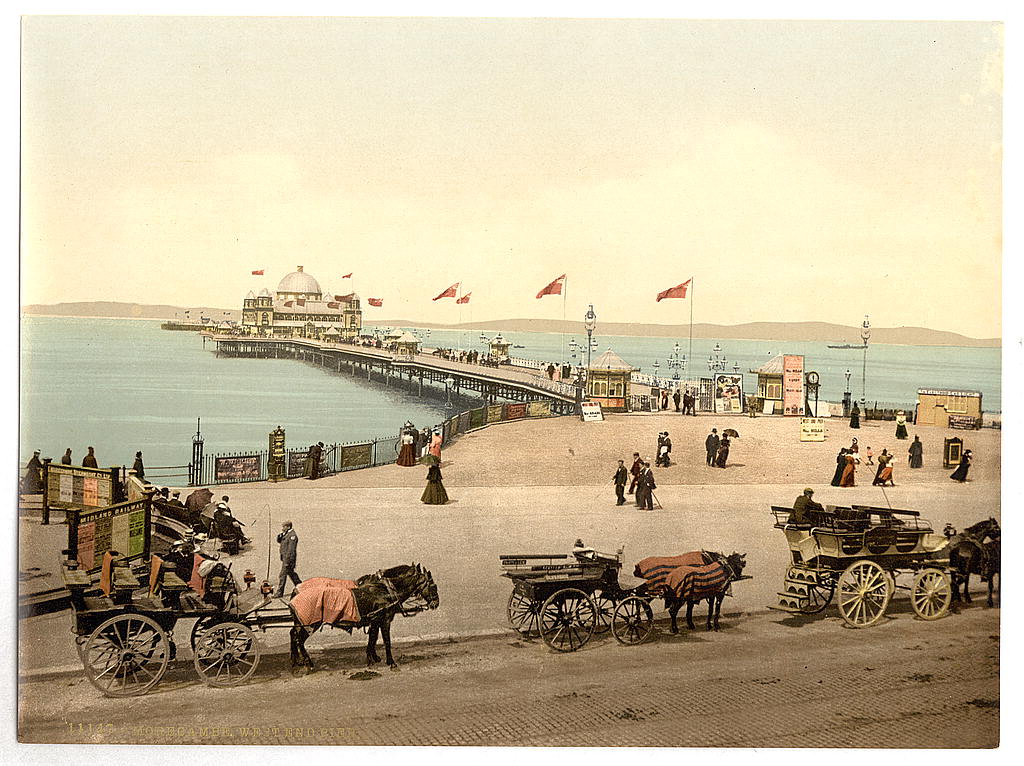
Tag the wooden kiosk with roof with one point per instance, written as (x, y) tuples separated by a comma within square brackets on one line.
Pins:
[(948, 409), (608, 382), (499, 347), (407, 344)]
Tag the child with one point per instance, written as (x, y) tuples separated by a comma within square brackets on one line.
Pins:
[(870, 455)]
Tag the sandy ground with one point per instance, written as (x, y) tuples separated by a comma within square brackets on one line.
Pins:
[(535, 486)]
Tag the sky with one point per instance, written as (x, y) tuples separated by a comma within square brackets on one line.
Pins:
[(797, 171)]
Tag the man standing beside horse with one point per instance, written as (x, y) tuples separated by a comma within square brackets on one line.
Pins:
[(289, 542)]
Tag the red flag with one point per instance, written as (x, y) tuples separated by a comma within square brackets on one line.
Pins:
[(258, 273), (333, 305), (346, 276), (555, 288), (449, 293), (344, 298), (679, 291), (375, 301), (289, 304), (301, 301), (464, 298)]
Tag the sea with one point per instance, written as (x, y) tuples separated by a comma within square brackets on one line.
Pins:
[(124, 385)]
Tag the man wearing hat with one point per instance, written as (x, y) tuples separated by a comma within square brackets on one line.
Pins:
[(89, 461), (802, 506), (620, 478), (711, 445), (289, 542)]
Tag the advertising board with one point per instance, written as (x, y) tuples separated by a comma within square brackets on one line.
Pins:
[(792, 385), (728, 393), (591, 411), (237, 468), (812, 429), (123, 528)]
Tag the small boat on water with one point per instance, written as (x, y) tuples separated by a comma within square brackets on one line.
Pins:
[(846, 345)]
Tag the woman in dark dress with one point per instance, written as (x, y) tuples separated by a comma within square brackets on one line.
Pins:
[(840, 466), (32, 484), (916, 453), (723, 452), (855, 416), (434, 494), (849, 471), (960, 474), (883, 461), (140, 470)]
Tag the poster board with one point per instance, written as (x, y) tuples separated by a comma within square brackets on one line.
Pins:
[(792, 385), (356, 456), (591, 412), (78, 487), (237, 468), (539, 409), (297, 462), (729, 393), (123, 528), (812, 429), (515, 411)]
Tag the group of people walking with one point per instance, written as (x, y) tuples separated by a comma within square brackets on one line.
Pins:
[(414, 444), (642, 485), (850, 457)]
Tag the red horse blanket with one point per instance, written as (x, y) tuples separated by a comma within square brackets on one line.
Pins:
[(687, 576), (324, 600)]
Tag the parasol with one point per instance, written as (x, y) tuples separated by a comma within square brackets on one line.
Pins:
[(731, 433), (196, 501), (429, 459)]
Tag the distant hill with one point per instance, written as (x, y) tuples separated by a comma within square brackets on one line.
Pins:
[(795, 331)]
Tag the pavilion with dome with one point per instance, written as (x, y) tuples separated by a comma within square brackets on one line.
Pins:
[(300, 309)]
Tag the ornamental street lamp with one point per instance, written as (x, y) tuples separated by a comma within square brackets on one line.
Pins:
[(717, 361), (865, 335), (449, 382), (676, 362), (590, 323)]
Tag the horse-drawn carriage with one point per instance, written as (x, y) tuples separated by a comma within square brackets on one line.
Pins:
[(568, 598), (124, 629), (856, 554)]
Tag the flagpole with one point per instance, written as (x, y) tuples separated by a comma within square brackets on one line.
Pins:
[(691, 320), (561, 347)]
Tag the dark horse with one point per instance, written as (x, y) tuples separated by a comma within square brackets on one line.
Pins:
[(407, 589), (975, 551), (734, 564)]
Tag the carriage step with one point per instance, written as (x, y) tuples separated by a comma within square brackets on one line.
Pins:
[(788, 603), (795, 588), (796, 574)]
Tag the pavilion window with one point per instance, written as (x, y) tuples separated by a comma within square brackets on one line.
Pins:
[(773, 391)]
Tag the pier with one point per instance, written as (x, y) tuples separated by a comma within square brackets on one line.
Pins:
[(410, 371)]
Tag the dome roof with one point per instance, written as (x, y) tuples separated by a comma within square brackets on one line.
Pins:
[(264, 293), (298, 282)]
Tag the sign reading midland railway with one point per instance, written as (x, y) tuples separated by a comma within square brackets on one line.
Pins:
[(237, 468)]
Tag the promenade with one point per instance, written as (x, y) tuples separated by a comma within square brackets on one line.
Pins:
[(535, 486)]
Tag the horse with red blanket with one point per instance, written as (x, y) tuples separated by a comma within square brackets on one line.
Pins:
[(690, 578), (370, 602)]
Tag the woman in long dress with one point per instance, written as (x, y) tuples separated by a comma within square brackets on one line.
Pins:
[(407, 454), (960, 474), (848, 472), (855, 416), (884, 473), (901, 425), (435, 445), (434, 494), (916, 453), (723, 452), (840, 467)]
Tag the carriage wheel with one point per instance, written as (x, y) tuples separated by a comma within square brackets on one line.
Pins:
[(226, 654), (567, 620), (524, 614), (865, 590), (126, 655), (931, 594), (633, 621), (605, 607), (819, 596), (201, 624)]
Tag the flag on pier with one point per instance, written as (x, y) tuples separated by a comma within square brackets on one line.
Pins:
[(258, 273), (464, 298), (375, 301), (449, 293), (555, 288), (344, 298), (346, 276), (679, 291), (301, 301), (334, 305), (289, 304)]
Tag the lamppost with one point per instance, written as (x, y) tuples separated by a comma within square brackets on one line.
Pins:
[(847, 396), (718, 362), (656, 365), (590, 323), (865, 335), (676, 362), (448, 383)]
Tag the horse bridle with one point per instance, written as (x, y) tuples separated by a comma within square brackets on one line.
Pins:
[(411, 604)]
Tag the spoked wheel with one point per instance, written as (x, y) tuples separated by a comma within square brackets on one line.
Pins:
[(632, 621), (605, 608), (931, 594), (865, 590), (819, 596), (524, 614), (201, 624), (567, 620), (126, 655), (226, 654)]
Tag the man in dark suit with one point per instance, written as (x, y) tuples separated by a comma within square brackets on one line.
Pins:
[(645, 489), (289, 554), (634, 470), (620, 479), (711, 445)]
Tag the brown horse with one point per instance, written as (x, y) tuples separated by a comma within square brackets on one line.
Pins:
[(975, 551), (734, 564), (407, 589)]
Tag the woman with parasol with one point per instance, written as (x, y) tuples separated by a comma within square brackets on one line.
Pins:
[(434, 494)]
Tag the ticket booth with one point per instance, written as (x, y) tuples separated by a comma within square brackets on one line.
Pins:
[(499, 347), (947, 408), (407, 344), (608, 382), (952, 451)]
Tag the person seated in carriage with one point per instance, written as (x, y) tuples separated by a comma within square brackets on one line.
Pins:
[(805, 510), (227, 527)]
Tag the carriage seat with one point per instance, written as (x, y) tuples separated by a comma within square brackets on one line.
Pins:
[(116, 579)]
